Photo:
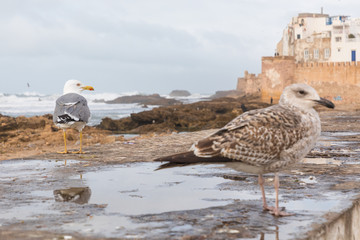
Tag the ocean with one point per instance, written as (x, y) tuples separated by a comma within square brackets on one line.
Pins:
[(30, 104)]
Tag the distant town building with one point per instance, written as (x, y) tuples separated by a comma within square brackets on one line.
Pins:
[(316, 49), (317, 37)]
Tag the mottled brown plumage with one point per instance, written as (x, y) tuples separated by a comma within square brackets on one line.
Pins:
[(257, 138), (263, 140)]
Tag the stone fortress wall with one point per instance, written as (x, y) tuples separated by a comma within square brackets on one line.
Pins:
[(336, 81)]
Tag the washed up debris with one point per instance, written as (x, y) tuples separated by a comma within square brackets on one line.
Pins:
[(308, 180), (235, 177)]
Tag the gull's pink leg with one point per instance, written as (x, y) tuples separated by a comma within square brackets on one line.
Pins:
[(277, 211), (261, 183)]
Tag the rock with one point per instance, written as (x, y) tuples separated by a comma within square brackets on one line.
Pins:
[(229, 93), (180, 93), (7, 123), (154, 99), (186, 117)]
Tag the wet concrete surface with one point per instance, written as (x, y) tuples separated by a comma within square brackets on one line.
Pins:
[(98, 198)]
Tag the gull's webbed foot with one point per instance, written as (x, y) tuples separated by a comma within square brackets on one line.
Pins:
[(64, 152), (280, 213), (79, 152)]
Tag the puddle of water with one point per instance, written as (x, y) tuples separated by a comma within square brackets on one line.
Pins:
[(110, 226), (322, 161), (337, 134), (311, 205), (139, 190), (31, 210), (28, 168)]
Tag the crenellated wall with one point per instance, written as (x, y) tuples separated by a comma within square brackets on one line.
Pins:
[(337, 81)]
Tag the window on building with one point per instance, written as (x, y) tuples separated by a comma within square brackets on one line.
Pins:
[(306, 54), (298, 36), (328, 21), (316, 53), (338, 39), (327, 53)]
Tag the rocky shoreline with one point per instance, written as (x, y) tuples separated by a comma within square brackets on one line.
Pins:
[(27, 136), (184, 117), (22, 136)]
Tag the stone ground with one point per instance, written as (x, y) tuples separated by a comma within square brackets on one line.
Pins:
[(334, 163)]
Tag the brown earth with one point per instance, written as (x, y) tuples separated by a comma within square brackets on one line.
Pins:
[(21, 136)]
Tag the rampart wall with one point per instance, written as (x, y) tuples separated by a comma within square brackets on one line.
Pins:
[(336, 81)]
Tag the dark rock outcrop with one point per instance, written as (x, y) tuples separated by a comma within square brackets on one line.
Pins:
[(11, 123), (186, 117), (180, 93), (154, 99), (229, 93)]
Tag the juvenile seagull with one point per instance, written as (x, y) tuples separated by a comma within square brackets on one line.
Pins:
[(263, 140), (71, 110)]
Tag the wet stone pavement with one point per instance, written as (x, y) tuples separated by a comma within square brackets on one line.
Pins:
[(46, 199)]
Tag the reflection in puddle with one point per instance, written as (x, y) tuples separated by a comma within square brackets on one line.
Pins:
[(138, 189), (79, 195)]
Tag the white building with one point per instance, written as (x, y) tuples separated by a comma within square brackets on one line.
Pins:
[(314, 37)]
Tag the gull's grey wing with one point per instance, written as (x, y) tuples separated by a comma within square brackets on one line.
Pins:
[(257, 137), (71, 107)]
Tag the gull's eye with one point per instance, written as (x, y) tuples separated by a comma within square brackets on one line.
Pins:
[(302, 92), (78, 84)]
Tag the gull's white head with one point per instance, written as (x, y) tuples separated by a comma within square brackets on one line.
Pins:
[(75, 86), (303, 96)]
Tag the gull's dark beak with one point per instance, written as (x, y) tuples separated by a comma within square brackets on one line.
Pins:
[(325, 103)]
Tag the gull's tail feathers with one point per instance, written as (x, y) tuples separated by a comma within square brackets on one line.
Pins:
[(186, 158)]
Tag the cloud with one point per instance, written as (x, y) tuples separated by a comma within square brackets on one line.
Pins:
[(149, 46)]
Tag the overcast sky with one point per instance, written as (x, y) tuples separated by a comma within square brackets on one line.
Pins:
[(143, 45)]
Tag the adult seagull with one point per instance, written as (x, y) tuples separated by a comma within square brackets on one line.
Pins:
[(263, 140), (71, 110)]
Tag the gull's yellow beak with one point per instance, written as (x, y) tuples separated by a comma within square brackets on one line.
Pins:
[(90, 88)]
